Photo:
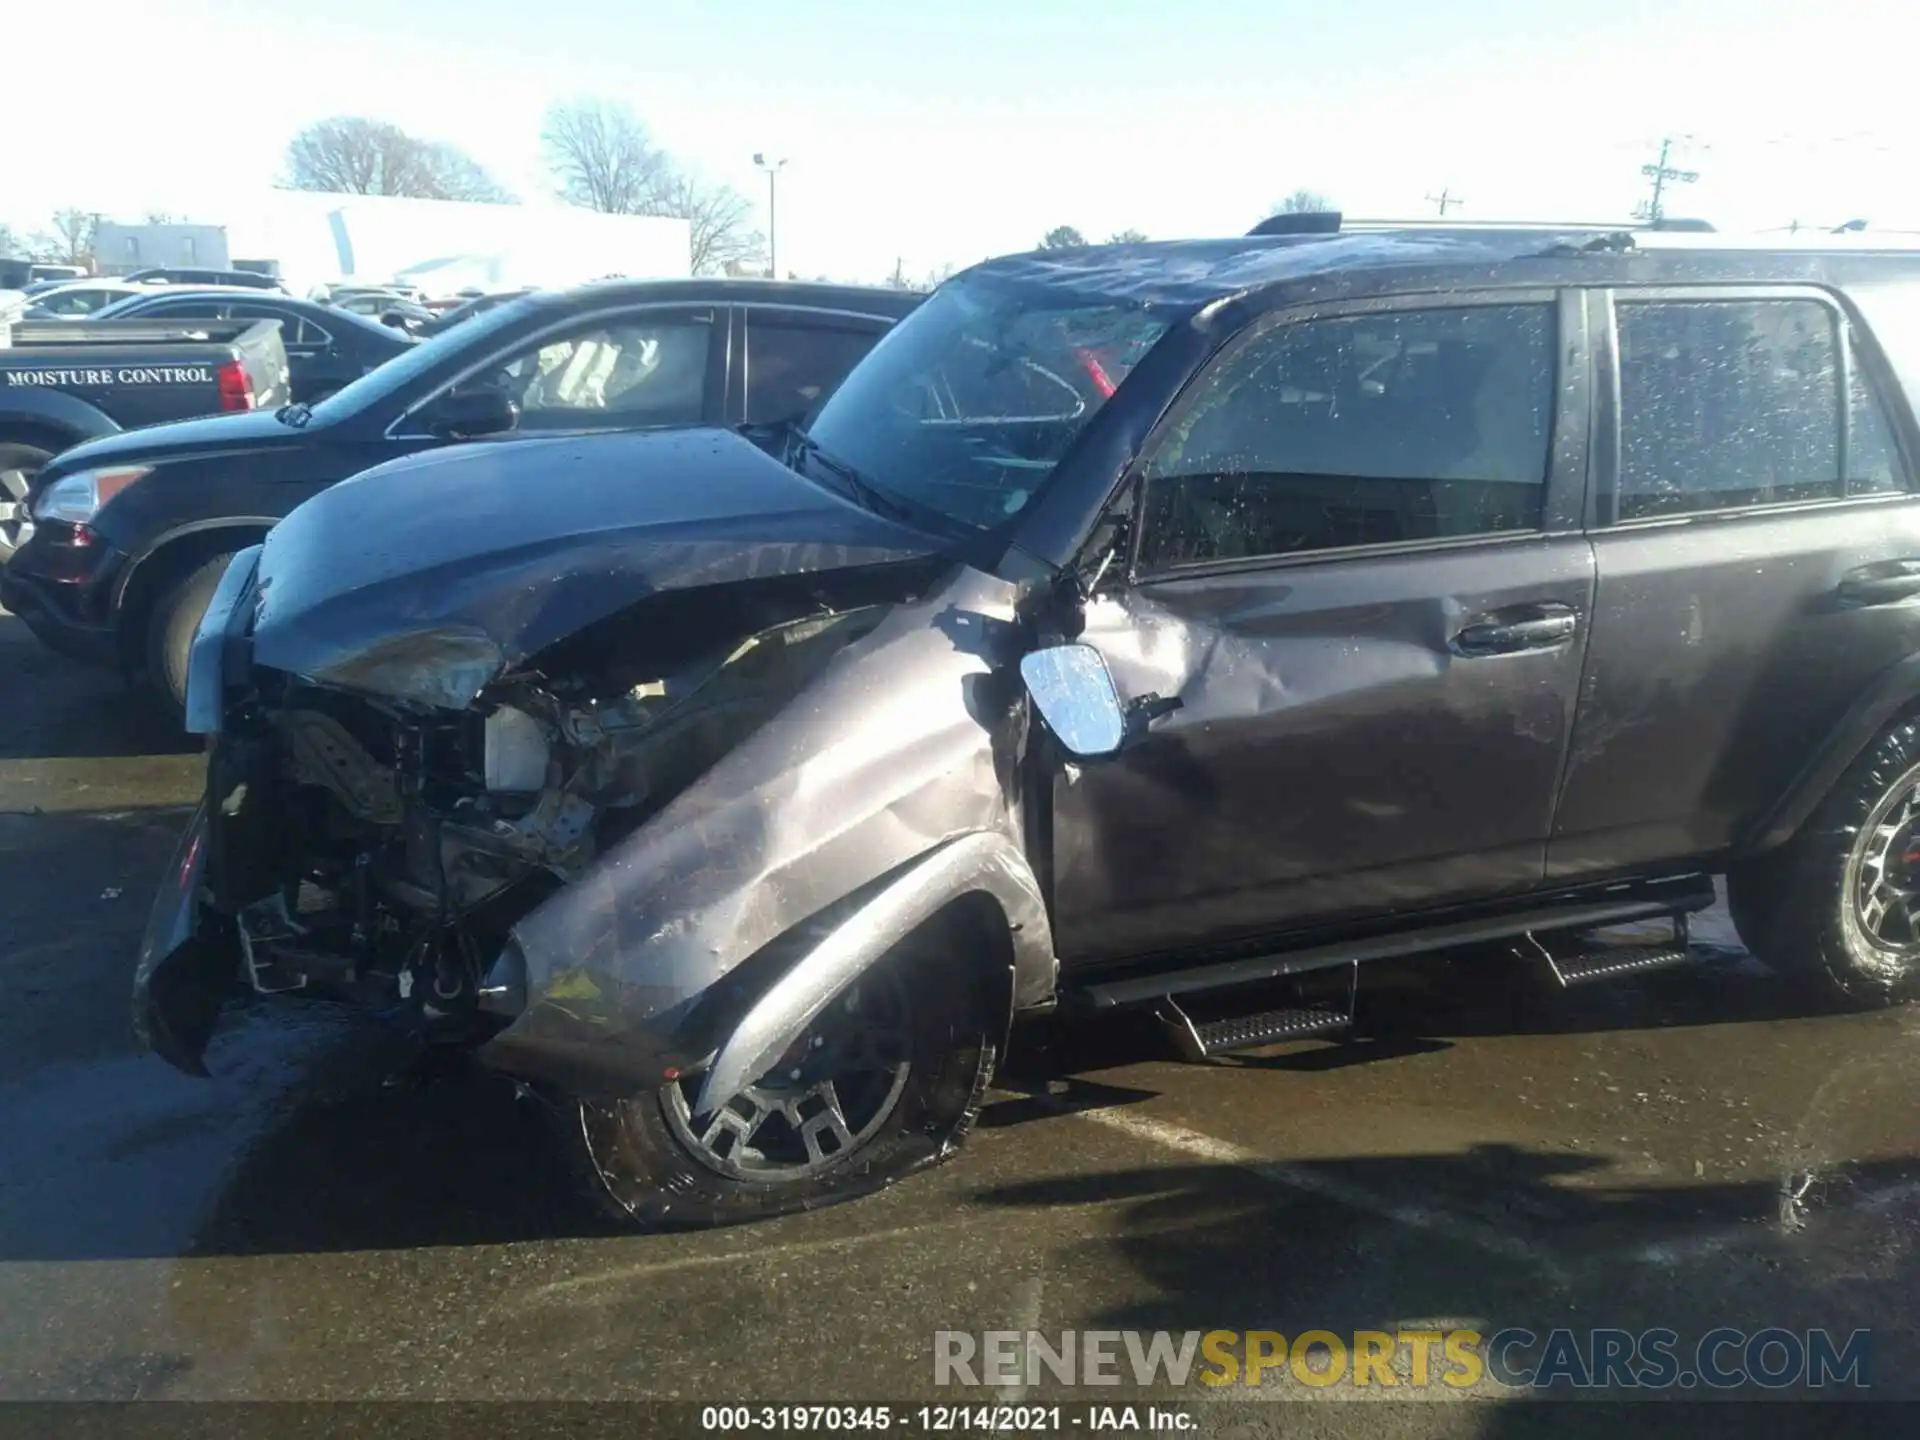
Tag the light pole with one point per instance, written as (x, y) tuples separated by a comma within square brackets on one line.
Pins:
[(773, 169)]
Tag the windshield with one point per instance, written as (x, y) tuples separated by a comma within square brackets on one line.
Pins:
[(401, 371), (969, 403)]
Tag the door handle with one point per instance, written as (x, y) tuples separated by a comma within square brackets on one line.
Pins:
[(1553, 625), (1879, 584)]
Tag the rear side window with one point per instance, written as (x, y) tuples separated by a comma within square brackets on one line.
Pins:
[(1364, 430), (1736, 403), (791, 364)]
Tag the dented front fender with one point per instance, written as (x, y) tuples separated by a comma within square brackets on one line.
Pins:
[(909, 740)]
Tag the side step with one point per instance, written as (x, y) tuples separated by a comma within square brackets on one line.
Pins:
[(1197, 1040), (1583, 961)]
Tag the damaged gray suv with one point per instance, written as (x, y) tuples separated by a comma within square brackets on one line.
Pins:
[(1178, 626)]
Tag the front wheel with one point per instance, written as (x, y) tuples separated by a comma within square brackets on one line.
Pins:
[(17, 465), (170, 630), (886, 1081), (1840, 902)]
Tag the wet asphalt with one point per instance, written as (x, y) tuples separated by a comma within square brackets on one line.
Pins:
[(1689, 1149)]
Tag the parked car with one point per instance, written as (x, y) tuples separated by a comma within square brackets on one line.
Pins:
[(75, 299), (369, 302), (125, 583), (326, 349), (458, 312), (66, 382), (200, 275), (1132, 627)]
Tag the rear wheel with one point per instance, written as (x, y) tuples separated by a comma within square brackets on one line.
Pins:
[(1840, 902), (18, 463), (171, 625), (886, 1081)]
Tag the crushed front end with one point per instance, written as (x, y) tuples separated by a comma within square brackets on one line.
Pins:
[(380, 851)]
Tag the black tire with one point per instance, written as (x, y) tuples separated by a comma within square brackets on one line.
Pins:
[(1808, 910), (18, 461), (171, 625), (640, 1165)]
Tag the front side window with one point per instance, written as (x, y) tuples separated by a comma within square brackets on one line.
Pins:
[(633, 371), (1727, 404), (1362, 430), (968, 404)]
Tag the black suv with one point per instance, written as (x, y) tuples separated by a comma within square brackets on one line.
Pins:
[(1176, 626), (134, 529)]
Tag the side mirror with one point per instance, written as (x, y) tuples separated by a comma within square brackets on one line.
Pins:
[(470, 414), (1074, 693)]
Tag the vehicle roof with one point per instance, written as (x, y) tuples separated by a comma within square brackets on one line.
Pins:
[(100, 282), (321, 314), (816, 294), (1190, 274)]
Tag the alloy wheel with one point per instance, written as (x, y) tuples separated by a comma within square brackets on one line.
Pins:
[(831, 1092), (16, 523), (1883, 872)]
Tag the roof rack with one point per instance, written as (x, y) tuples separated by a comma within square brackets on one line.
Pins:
[(1332, 222)]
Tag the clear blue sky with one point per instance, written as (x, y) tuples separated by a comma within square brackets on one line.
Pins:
[(941, 133)]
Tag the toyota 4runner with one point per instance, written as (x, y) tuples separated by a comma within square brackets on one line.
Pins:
[(1136, 626)]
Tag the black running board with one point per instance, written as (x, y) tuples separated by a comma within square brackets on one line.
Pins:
[(1582, 965), (1650, 901), (1199, 1039)]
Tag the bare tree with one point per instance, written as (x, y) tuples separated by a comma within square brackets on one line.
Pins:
[(1062, 237), (722, 239), (604, 159), (1303, 202), (1129, 236), (9, 243), (68, 242), (353, 155)]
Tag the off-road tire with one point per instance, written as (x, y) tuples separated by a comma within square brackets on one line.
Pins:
[(1797, 908), (637, 1170), (17, 462), (171, 625)]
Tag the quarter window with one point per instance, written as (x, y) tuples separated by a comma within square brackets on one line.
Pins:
[(1398, 426), (1729, 404)]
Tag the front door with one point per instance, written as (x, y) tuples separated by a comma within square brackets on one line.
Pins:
[(1359, 566)]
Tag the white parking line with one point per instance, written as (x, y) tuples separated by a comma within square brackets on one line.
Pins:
[(1312, 1182)]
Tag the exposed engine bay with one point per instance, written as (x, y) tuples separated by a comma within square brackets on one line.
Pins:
[(399, 843)]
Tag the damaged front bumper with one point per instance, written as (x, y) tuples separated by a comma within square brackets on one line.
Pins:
[(186, 967), (702, 942)]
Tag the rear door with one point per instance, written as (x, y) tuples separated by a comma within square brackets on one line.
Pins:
[(793, 356), (1361, 569), (1754, 526)]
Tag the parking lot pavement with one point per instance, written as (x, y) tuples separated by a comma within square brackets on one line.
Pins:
[(1689, 1150)]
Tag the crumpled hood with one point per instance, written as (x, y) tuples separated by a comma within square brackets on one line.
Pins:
[(424, 578)]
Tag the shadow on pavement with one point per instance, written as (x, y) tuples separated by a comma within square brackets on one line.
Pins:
[(62, 709), (1494, 1237)]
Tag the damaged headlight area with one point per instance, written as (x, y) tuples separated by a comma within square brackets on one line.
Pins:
[(381, 852)]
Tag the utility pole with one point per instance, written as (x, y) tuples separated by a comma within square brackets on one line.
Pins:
[(773, 169), (1653, 209), (1444, 200)]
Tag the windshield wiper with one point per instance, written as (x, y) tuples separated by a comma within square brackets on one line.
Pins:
[(295, 415), (862, 490)]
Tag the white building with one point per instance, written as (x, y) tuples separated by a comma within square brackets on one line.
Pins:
[(438, 246), (119, 249)]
